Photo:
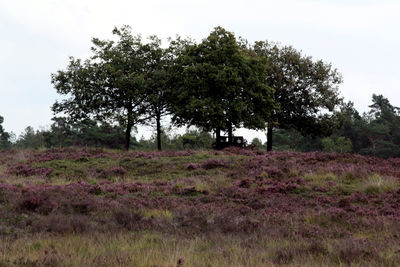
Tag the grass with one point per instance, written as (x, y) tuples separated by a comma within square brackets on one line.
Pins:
[(376, 184), (230, 208), (153, 249)]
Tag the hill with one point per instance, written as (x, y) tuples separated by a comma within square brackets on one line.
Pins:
[(93, 207)]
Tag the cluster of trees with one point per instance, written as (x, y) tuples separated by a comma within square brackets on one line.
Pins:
[(376, 132), (62, 134), (89, 133), (219, 84)]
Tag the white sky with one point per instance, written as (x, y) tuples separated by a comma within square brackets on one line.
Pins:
[(359, 37)]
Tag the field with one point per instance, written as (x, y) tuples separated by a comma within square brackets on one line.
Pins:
[(88, 207)]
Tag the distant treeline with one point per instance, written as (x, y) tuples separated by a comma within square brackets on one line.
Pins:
[(376, 132), (89, 133)]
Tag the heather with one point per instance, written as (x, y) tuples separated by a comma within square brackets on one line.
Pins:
[(235, 207)]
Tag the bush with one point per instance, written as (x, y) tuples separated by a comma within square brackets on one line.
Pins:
[(213, 163)]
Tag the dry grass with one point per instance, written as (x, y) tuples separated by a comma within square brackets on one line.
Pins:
[(376, 184), (153, 249)]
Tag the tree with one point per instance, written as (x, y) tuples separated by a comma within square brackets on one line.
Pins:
[(158, 86), (256, 142), (381, 128), (305, 91), (217, 86), (293, 140), (30, 139), (109, 86), (340, 144), (4, 136)]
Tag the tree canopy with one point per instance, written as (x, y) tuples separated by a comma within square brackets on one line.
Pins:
[(305, 91), (158, 87), (107, 86), (218, 86)]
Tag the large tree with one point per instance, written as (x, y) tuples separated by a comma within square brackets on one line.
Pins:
[(158, 87), (218, 86), (109, 86), (305, 91)]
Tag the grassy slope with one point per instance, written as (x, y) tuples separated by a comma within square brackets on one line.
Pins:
[(231, 208)]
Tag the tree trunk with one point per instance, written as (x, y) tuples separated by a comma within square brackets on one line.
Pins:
[(230, 134), (158, 119), (218, 138), (129, 125), (60, 136), (269, 137)]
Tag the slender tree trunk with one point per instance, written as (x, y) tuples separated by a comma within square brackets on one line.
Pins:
[(158, 119), (60, 138), (230, 134), (129, 125), (269, 137), (218, 138), (373, 143)]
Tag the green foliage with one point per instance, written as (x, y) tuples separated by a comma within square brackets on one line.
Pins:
[(382, 128), (376, 132), (4, 136), (62, 133), (109, 85), (257, 142), (30, 139), (158, 86), (293, 140), (218, 86), (192, 139), (340, 144), (305, 91)]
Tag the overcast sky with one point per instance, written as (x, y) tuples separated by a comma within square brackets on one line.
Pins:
[(359, 37)]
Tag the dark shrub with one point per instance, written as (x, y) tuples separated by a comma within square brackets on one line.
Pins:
[(37, 202), (81, 206), (54, 223), (284, 255), (213, 163), (128, 219), (273, 172), (350, 250)]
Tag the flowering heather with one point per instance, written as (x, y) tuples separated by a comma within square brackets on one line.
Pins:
[(192, 166), (213, 163), (334, 207), (25, 170)]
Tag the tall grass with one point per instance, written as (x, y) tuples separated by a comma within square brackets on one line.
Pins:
[(376, 184)]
